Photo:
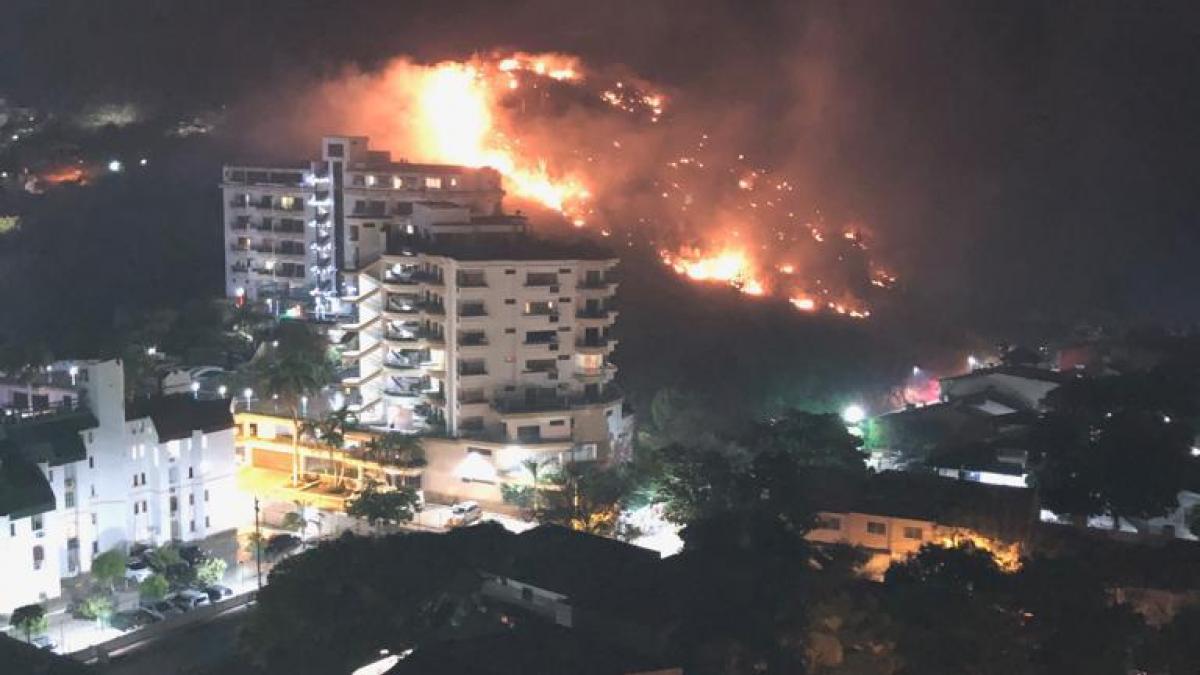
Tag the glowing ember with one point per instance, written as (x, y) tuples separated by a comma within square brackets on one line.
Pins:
[(804, 304)]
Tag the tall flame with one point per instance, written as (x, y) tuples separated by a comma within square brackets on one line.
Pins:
[(456, 100)]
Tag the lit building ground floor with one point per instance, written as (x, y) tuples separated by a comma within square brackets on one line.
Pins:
[(454, 469)]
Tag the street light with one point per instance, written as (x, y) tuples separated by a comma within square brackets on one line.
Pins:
[(247, 393), (853, 414), (972, 362), (195, 390), (222, 390)]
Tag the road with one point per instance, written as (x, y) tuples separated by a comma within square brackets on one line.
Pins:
[(194, 649)]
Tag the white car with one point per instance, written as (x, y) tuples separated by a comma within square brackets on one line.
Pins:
[(138, 571), (44, 642), (463, 514)]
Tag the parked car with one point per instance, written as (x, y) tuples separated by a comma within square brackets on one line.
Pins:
[(193, 554), (127, 621), (44, 642), (138, 570), (188, 599), (463, 514), (164, 608), (217, 592), (280, 545)]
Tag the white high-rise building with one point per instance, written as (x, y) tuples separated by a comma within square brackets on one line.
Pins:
[(83, 471), (291, 231)]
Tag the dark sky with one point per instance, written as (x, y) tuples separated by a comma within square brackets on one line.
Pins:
[(1017, 159)]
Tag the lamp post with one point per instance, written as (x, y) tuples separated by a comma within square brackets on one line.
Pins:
[(247, 393), (195, 390), (257, 546)]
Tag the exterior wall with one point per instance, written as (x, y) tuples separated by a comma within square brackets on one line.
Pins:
[(197, 472), (894, 543), (23, 582)]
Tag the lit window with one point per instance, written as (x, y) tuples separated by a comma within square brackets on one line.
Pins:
[(433, 183), (829, 523), (371, 181)]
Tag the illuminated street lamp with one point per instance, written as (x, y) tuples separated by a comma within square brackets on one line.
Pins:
[(247, 393), (853, 414), (195, 390), (972, 362), (115, 166)]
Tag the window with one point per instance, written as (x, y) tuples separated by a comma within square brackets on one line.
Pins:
[(12, 529), (206, 495), (39, 557), (35, 523), (372, 181), (558, 423), (353, 233), (50, 475), (174, 504), (191, 472), (206, 522), (135, 480), (539, 308), (336, 150), (143, 479), (829, 523), (95, 548), (191, 500), (93, 519), (874, 527), (912, 533), (93, 490), (191, 526), (91, 460), (69, 499), (433, 183), (145, 509), (136, 508)]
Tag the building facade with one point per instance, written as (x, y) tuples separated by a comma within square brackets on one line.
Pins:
[(83, 471), (293, 230)]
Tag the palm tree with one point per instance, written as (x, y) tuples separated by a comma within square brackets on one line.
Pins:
[(295, 366), (396, 449), (331, 432)]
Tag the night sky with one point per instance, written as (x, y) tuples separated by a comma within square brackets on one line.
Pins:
[(1017, 160)]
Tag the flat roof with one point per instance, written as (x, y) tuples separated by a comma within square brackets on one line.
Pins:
[(520, 248)]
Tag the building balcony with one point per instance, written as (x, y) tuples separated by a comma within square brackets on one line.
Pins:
[(431, 308), (601, 284), (600, 346), (359, 325), (472, 312)]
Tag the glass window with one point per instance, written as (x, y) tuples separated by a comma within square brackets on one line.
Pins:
[(433, 182), (39, 557), (912, 533), (35, 523), (874, 527)]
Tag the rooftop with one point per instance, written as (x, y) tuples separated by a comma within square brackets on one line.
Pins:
[(175, 417), (1026, 372), (549, 557), (520, 248), (1003, 512), (53, 438)]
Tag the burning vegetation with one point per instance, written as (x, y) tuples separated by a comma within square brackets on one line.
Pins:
[(617, 156)]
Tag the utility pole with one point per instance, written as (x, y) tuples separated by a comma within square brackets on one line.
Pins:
[(257, 546)]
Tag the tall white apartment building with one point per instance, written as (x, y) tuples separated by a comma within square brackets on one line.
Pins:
[(83, 471), (292, 231)]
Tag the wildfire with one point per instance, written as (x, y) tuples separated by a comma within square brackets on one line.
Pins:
[(455, 103), (731, 266)]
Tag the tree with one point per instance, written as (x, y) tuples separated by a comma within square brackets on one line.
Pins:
[(109, 566), (1125, 463), (98, 607), (1175, 649), (391, 506), (211, 571), (811, 439), (584, 497), (338, 604), (30, 620), (155, 587), (330, 431), (295, 366), (396, 449)]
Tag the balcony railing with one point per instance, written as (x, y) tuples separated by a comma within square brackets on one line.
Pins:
[(594, 313), (472, 310)]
